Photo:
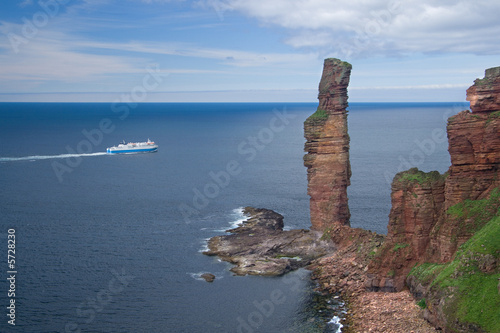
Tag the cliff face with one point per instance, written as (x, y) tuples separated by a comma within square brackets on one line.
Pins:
[(443, 230), (474, 147), (432, 215), (422, 226), (484, 95), (417, 203), (327, 147)]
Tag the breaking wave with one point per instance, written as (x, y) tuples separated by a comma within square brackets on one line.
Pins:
[(239, 217), (335, 324)]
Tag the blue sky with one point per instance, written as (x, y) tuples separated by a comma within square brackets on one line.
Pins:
[(243, 50)]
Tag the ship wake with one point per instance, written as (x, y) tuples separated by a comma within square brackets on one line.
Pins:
[(47, 157)]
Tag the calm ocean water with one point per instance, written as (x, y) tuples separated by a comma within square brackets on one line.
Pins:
[(113, 243)]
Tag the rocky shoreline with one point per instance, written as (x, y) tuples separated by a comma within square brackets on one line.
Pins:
[(260, 246), (345, 273), (442, 236)]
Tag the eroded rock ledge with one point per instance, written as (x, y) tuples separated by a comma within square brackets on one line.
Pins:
[(260, 246)]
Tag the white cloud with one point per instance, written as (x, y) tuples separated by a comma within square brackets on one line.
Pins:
[(369, 27), (52, 56), (54, 59), (230, 57), (80, 51)]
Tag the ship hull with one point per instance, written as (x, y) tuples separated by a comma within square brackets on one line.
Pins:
[(129, 151), (133, 147)]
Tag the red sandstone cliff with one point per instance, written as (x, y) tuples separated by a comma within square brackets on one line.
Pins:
[(432, 215), (327, 147), (421, 227), (417, 204)]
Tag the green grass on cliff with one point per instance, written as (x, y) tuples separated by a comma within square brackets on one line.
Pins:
[(399, 246), (492, 116), (414, 175), (474, 214), (469, 284), (318, 115), (427, 272)]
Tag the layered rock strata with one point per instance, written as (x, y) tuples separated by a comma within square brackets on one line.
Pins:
[(443, 230), (484, 95), (327, 147), (260, 246), (425, 224), (417, 204)]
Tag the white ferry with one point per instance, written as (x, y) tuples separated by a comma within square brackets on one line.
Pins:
[(133, 147)]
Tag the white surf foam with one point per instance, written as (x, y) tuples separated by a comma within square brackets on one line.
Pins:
[(336, 321), (196, 276), (46, 157), (239, 217), (204, 245)]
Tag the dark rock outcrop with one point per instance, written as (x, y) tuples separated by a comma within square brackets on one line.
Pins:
[(260, 246), (327, 147), (209, 277)]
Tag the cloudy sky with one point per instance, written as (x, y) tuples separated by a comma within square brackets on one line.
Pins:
[(243, 50)]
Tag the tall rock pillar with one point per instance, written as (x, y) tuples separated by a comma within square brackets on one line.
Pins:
[(327, 147)]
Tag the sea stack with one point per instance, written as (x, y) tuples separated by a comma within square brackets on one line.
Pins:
[(327, 148)]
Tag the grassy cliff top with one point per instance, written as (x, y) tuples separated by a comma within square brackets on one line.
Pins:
[(339, 62), (415, 176), (468, 286)]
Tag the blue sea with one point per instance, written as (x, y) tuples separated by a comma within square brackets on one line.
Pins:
[(112, 243)]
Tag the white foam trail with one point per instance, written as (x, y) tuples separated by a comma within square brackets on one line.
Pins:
[(46, 157)]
